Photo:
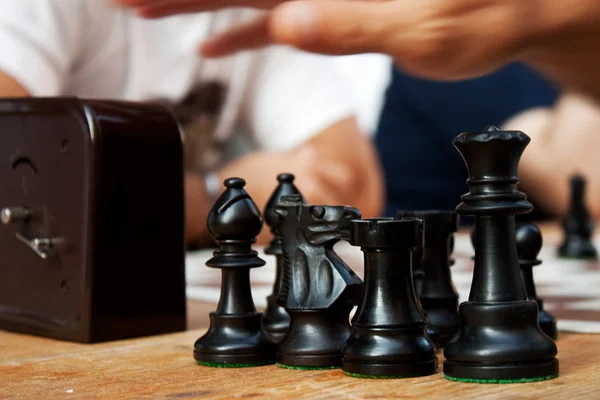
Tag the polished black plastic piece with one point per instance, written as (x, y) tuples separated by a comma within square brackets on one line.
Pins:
[(529, 243), (388, 331), (275, 320), (318, 289), (235, 336), (436, 291), (417, 276), (578, 225), (93, 219), (499, 337), (451, 260)]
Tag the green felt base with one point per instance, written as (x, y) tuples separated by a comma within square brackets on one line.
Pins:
[(225, 365), (374, 376), (522, 380), (299, 367)]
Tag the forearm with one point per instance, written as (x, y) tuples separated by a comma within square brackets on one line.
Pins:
[(9, 87), (565, 44)]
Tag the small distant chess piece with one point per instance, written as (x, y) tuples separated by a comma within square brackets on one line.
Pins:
[(389, 336), (436, 291), (578, 225), (275, 319), (318, 290), (235, 337), (529, 244), (499, 339)]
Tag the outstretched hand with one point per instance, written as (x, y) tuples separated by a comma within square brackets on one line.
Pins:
[(437, 39)]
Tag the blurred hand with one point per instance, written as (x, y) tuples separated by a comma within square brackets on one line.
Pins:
[(564, 141), (438, 39), (320, 181)]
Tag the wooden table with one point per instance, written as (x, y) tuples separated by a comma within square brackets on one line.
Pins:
[(162, 367)]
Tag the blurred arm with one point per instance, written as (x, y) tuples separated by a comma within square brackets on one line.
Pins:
[(302, 122)]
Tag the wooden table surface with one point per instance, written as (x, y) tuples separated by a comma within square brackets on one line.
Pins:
[(162, 367)]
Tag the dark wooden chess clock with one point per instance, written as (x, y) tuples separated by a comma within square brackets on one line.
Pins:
[(91, 201)]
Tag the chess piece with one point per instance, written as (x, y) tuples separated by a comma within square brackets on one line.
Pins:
[(578, 226), (451, 261), (318, 290), (275, 319), (417, 275), (499, 338), (529, 243), (235, 337), (388, 331), (436, 291)]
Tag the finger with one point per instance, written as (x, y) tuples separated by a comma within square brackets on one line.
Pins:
[(163, 8), (241, 37), (334, 27)]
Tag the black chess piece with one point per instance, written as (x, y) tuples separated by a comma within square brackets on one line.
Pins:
[(452, 260), (318, 290), (388, 338), (436, 291), (578, 226), (236, 337), (529, 243), (275, 319), (417, 275), (499, 338)]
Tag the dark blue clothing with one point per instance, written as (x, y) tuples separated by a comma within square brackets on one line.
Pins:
[(420, 118)]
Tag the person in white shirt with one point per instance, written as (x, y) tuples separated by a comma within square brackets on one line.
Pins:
[(292, 104)]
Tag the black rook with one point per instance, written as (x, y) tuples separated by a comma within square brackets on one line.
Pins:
[(388, 332)]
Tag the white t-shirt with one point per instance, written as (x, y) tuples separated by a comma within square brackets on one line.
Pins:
[(91, 49)]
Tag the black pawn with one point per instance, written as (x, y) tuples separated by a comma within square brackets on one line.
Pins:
[(436, 291), (235, 337), (499, 338), (275, 319), (388, 331), (578, 226), (318, 289), (529, 244)]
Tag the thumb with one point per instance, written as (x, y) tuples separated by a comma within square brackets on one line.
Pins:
[(333, 26)]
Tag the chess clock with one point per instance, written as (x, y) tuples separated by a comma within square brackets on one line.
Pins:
[(92, 211)]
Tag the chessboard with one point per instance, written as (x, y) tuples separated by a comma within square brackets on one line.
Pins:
[(569, 288)]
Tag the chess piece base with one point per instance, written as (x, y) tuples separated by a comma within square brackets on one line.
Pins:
[(502, 341), (275, 320), (509, 373), (442, 316), (315, 338), (577, 248), (389, 352), (235, 340), (391, 370)]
